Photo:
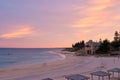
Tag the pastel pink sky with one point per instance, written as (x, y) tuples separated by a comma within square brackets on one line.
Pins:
[(56, 23)]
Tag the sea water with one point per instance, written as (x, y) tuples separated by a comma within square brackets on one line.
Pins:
[(10, 57)]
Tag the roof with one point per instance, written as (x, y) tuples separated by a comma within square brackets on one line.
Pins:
[(92, 43), (77, 77), (47, 79), (100, 73), (114, 70)]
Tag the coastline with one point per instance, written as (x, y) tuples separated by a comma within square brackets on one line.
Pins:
[(8, 73), (58, 69), (55, 54), (59, 53)]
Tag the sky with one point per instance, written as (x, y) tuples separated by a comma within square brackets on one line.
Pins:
[(56, 23)]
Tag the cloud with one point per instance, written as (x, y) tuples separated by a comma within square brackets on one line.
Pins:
[(97, 13), (18, 33), (91, 21)]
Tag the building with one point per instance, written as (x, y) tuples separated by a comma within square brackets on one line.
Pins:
[(91, 47)]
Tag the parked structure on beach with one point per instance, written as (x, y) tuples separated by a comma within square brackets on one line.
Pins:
[(91, 47)]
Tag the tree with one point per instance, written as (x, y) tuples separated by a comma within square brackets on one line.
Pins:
[(116, 36), (104, 47), (100, 40), (78, 45), (116, 43)]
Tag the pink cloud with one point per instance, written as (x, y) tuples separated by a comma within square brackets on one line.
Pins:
[(97, 14), (22, 32)]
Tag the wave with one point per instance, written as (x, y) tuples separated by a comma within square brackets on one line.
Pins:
[(30, 57)]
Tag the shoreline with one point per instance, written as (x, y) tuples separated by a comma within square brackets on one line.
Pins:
[(4, 73), (58, 69), (42, 69), (37, 62), (59, 52)]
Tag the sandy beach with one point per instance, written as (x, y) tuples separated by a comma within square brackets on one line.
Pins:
[(58, 69)]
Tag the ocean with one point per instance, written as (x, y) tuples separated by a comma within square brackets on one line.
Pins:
[(10, 57)]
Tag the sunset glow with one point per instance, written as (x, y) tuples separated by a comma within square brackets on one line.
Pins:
[(56, 23), (18, 34)]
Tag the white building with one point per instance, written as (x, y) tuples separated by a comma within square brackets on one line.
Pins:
[(91, 47)]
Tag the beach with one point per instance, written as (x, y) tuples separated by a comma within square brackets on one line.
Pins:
[(57, 70), (59, 39)]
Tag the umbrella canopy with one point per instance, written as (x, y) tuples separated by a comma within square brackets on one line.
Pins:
[(77, 77)]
